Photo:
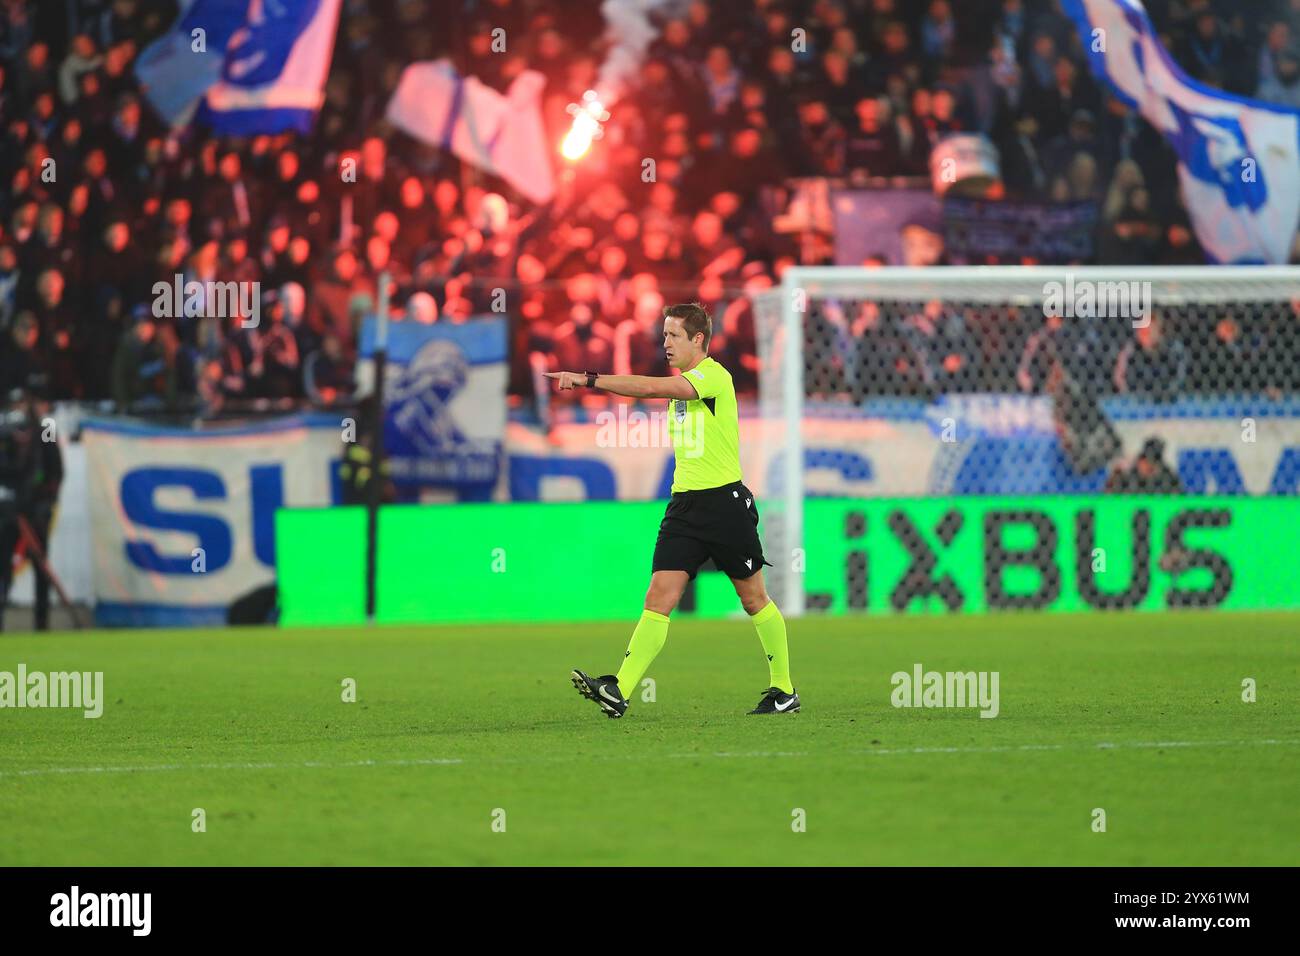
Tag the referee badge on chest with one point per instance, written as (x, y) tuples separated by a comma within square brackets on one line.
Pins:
[(679, 409)]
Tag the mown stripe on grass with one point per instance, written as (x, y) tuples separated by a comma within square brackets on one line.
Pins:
[(753, 754)]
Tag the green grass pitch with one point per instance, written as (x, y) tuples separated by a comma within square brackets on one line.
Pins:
[(1139, 715)]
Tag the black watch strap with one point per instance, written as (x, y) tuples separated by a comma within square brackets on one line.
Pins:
[(591, 379)]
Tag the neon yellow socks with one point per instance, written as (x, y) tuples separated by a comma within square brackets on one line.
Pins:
[(651, 633), (647, 641), (771, 631)]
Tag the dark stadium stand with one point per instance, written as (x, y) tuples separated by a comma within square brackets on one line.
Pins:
[(98, 201)]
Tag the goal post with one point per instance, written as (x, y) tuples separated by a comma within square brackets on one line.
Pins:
[(1086, 352)]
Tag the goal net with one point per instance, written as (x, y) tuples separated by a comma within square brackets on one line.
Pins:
[(951, 381)]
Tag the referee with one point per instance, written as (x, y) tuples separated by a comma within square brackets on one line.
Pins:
[(711, 515)]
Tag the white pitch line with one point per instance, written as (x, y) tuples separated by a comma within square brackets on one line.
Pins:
[(887, 751), (722, 754), (155, 768)]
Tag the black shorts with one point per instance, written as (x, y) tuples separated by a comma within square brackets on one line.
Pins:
[(718, 523)]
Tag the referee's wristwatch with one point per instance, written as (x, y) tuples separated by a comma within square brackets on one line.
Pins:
[(591, 379)]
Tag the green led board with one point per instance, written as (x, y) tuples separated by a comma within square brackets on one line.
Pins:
[(591, 560)]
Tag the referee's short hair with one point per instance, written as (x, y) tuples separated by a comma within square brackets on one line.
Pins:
[(695, 320)]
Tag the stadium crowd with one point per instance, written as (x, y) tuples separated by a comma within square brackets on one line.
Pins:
[(99, 201)]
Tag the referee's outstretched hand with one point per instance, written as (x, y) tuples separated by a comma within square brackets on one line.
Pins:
[(569, 379)]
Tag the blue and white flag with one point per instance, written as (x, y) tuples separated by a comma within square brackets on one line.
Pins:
[(1238, 159), (179, 67), (500, 133), (444, 403), (243, 66)]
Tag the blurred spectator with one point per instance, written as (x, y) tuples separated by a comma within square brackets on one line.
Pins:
[(1179, 247), (996, 88), (873, 147), (1278, 368), (1037, 359), (711, 251), (231, 204), (1229, 359), (293, 304), (639, 341), (1211, 54), (886, 363), (1130, 233), (1080, 138), (331, 297), (274, 341), (9, 276), (1146, 475), (939, 336), (1283, 88), (943, 114), (1153, 364), (142, 376), (421, 308), (721, 80), (275, 260), (739, 349), (938, 32), (613, 289), (1040, 61), (1052, 105), (894, 55), (64, 330), (1023, 168), (584, 342), (113, 284), (819, 148), (22, 358), (1279, 41), (329, 373)]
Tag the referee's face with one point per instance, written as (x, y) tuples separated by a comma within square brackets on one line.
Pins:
[(680, 351)]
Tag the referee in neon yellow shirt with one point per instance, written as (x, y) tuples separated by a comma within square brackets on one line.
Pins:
[(711, 515)]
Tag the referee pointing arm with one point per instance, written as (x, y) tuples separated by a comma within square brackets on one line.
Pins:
[(711, 515)]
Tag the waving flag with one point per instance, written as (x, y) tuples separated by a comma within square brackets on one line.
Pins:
[(179, 67), (243, 66), (1238, 159), (499, 134)]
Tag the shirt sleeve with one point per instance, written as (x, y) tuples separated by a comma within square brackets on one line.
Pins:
[(708, 380)]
